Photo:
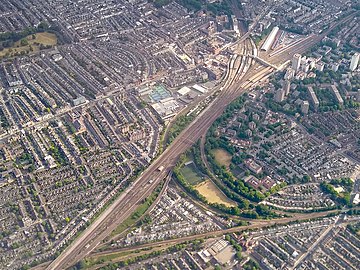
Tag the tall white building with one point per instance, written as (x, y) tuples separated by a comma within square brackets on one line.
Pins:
[(320, 66), (305, 107), (354, 61), (296, 61), (286, 87), (313, 97), (279, 95), (289, 74)]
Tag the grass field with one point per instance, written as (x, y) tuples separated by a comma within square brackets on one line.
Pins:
[(33, 44), (213, 194), (97, 262), (222, 156), (191, 174)]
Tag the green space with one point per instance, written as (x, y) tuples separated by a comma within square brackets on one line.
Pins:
[(121, 259), (217, 8), (58, 154), (140, 211), (112, 257), (32, 43), (354, 228), (193, 179), (29, 40), (7, 39), (181, 122), (191, 174), (325, 97), (251, 265), (333, 189)]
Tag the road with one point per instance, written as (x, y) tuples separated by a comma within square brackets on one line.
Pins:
[(313, 246), (254, 225), (127, 202)]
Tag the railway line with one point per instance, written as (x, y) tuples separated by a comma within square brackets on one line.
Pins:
[(237, 83), (127, 202), (252, 226)]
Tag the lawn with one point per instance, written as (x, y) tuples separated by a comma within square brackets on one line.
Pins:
[(32, 44), (45, 38), (222, 157), (212, 194), (191, 174)]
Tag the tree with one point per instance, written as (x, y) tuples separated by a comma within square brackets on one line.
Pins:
[(81, 265), (24, 42), (262, 210), (43, 26)]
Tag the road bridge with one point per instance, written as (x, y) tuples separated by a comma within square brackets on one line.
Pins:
[(264, 62)]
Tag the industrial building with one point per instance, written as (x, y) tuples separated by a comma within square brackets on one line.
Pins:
[(270, 39)]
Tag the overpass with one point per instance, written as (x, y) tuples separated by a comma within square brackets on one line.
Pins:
[(264, 62)]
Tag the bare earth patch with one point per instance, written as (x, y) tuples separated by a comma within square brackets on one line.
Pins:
[(222, 156), (213, 194)]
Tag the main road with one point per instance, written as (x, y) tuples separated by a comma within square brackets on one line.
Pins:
[(127, 202)]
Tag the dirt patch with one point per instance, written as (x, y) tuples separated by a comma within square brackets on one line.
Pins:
[(213, 194), (222, 156)]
